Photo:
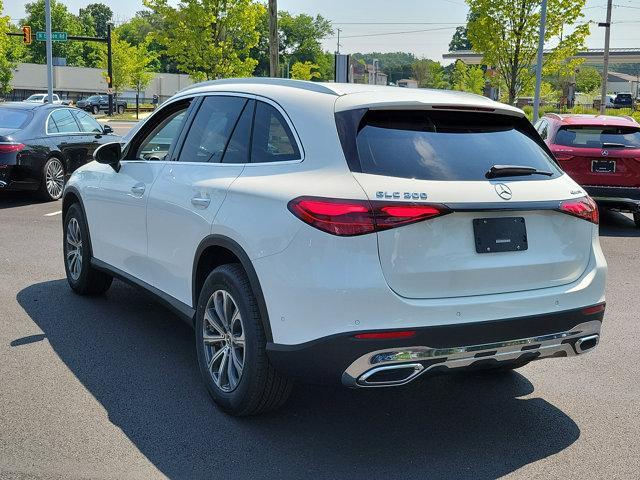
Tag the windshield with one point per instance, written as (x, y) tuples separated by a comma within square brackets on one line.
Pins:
[(444, 146), (595, 137), (13, 119), (35, 98), (93, 97)]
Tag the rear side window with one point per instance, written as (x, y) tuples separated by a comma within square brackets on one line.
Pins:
[(10, 118), (87, 123), (429, 145), (61, 121), (211, 129), (273, 140), (597, 137)]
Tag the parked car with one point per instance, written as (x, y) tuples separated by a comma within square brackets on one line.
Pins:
[(97, 103), (42, 144), (360, 235), (42, 98), (601, 153), (623, 100)]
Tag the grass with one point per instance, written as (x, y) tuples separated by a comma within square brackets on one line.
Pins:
[(579, 109), (126, 116)]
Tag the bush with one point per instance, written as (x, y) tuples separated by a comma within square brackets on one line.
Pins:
[(581, 109)]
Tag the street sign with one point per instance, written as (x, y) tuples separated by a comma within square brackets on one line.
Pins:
[(55, 36)]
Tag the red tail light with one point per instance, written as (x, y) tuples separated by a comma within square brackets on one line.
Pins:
[(563, 157), (385, 335), (11, 147), (584, 207), (358, 217), (594, 309)]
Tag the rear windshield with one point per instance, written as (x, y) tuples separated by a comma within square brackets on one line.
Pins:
[(595, 137), (10, 118), (431, 145)]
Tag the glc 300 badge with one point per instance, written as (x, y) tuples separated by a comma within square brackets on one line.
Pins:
[(402, 195)]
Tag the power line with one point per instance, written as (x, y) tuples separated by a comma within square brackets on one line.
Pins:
[(392, 33), (398, 23)]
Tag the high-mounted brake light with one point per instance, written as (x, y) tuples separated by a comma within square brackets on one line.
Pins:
[(359, 217), (11, 147), (385, 335), (584, 207)]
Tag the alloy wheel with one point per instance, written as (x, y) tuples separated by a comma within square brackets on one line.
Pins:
[(224, 341), (54, 178), (74, 249)]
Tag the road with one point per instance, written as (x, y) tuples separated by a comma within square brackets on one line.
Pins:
[(108, 387)]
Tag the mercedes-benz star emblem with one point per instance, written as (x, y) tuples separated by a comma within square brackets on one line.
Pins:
[(605, 153), (503, 191)]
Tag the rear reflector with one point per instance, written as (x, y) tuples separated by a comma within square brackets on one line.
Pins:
[(385, 335), (11, 147), (593, 310), (584, 207), (358, 217)]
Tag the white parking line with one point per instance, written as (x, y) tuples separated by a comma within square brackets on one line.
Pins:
[(53, 213)]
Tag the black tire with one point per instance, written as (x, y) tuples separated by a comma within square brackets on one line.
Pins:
[(120, 109), (95, 109), (86, 280), (260, 387), (636, 219), (52, 180)]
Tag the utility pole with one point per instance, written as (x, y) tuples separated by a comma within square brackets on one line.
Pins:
[(109, 69), (536, 98), (338, 50), (274, 68), (605, 69), (47, 21)]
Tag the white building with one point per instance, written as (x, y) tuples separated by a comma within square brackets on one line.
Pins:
[(623, 83)]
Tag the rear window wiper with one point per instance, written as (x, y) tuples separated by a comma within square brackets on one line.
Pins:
[(514, 171), (615, 145)]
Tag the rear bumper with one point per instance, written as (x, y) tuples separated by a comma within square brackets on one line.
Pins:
[(618, 198), (353, 362)]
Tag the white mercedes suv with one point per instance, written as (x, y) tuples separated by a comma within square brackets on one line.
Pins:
[(341, 233)]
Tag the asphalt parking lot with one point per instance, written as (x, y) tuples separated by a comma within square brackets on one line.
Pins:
[(108, 387)]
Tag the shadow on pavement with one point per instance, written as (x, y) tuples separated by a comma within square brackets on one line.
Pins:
[(18, 199), (138, 360), (616, 224)]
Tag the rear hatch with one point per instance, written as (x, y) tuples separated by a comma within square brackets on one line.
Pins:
[(498, 235), (600, 155)]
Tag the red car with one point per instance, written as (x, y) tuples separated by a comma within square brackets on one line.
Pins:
[(601, 153)]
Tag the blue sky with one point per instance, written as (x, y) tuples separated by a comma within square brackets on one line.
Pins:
[(439, 17)]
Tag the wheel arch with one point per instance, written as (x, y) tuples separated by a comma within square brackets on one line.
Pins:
[(216, 250)]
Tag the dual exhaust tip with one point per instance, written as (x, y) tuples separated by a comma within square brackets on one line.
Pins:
[(403, 373)]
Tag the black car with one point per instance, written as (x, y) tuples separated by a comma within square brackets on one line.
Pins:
[(97, 103), (623, 100), (42, 144)]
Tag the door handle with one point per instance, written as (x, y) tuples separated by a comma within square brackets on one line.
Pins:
[(138, 189), (200, 202)]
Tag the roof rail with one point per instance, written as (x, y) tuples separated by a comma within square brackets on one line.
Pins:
[(284, 82), (553, 114)]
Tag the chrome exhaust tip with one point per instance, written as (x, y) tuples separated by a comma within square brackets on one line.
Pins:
[(390, 375), (586, 344)]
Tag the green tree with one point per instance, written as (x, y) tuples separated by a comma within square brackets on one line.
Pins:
[(467, 78), (429, 74), (140, 75), (588, 79), (209, 39), (460, 39), (101, 15), (7, 62), (137, 31), (124, 58), (304, 71), (396, 65), (80, 54), (506, 32)]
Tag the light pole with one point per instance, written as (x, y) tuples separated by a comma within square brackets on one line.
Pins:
[(274, 68), (47, 21), (605, 69), (536, 98)]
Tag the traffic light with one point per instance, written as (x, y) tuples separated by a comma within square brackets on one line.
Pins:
[(26, 34)]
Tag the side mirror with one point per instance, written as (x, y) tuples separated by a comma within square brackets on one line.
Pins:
[(106, 129), (109, 154)]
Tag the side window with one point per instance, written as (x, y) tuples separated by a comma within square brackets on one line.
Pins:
[(238, 149), (87, 123), (166, 127), (64, 122), (544, 129), (211, 129), (272, 139)]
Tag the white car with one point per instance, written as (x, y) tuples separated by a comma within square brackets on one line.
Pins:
[(343, 233), (42, 98)]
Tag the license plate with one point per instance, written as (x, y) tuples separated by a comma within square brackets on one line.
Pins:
[(505, 234), (603, 166)]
